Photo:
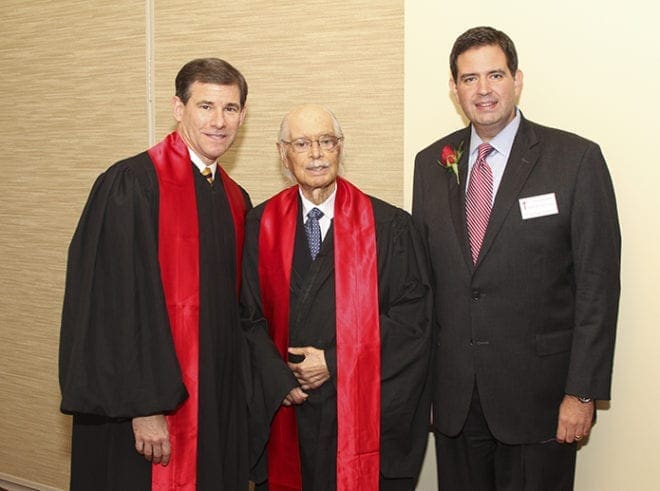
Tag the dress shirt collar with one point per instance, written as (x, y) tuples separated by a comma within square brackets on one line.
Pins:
[(502, 142), (199, 163), (327, 207)]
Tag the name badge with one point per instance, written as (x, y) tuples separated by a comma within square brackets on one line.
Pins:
[(538, 206)]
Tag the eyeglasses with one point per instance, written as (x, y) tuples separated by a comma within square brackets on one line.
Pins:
[(326, 143)]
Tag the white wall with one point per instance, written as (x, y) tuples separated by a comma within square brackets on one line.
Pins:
[(591, 67)]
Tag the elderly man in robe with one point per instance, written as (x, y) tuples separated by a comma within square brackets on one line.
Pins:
[(337, 313)]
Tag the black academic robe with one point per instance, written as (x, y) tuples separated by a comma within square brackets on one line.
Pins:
[(405, 349), (117, 357)]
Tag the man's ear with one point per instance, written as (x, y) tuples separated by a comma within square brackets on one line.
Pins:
[(242, 115), (518, 83), (452, 86), (177, 108), (281, 148)]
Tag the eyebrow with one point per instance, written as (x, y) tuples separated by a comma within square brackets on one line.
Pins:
[(491, 72)]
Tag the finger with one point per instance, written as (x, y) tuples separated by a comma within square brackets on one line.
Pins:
[(299, 396), (301, 399), (296, 351), (148, 451), (157, 455), (139, 447), (167, 453), (561, 434), (300, 380), (584, 432)]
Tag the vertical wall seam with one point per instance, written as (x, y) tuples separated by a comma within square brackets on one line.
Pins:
[(149, 45)]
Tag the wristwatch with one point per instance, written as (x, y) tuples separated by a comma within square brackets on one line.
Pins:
[(584, 400)]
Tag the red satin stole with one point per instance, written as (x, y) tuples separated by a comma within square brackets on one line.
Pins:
[(178, 255), (357, 334)]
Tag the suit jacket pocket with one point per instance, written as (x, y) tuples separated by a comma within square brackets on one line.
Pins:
[(554, 342)]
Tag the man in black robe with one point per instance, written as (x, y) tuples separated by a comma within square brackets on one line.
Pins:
[(313, 308), (151, 349)]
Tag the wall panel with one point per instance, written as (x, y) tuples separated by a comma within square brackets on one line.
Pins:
[(346, 55), (72, 75), (590, 67)]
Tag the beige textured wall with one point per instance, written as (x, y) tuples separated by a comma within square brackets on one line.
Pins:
[(590, 67), (346, 55), (72, 101), (76, 97)]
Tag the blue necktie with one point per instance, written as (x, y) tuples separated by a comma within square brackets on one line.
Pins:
[(313, 231)]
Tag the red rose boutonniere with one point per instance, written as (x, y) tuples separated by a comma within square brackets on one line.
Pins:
[(449, 159)]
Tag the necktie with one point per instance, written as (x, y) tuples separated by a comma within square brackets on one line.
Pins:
[(208, 173), (479, 199), (313, 231)]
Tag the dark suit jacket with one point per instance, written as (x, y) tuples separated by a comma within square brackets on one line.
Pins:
[(535, 318)]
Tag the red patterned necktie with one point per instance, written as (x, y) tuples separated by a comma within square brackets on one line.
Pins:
[(478, 201)]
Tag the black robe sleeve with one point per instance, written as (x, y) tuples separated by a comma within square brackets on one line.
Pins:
[(271, 378), (117, 356), (405, 323)]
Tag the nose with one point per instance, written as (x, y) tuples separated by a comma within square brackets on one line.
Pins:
[(315, 149), (484, 86), (218, 119)]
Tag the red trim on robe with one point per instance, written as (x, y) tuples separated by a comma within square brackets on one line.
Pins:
[(238, 210), (358, 336), (178, 255)]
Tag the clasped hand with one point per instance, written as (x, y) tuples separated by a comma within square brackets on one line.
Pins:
[(310, 373)]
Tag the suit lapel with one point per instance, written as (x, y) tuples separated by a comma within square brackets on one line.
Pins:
[(310, 281), (457, 198), (524, 155)]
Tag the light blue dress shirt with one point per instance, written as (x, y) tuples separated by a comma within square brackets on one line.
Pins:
[(497, 159)]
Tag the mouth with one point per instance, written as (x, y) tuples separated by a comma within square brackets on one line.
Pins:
[(317, 166), (216, 136), (486, 105)]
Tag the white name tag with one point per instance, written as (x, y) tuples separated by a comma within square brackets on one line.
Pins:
[(538, 206)]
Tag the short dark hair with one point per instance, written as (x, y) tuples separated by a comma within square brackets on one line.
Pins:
[(483, 36), (208, 71)]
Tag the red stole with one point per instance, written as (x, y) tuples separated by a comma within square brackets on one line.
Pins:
[(357, 334), (178, 255)]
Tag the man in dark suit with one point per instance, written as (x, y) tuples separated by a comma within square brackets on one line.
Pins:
[(521, 225)]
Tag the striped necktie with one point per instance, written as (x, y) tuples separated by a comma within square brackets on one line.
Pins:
[(479, 199), (208, 173)]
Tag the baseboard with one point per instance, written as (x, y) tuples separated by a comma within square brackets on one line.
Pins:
[(13, 483)]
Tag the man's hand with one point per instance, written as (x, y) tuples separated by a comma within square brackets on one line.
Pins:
[(295, 396), (312, 372), (152, 438), (575, 419)]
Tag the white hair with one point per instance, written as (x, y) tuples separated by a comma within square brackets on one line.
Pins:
[(285, 135)]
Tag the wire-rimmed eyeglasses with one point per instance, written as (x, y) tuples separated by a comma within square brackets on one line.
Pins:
[(326, 143)]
